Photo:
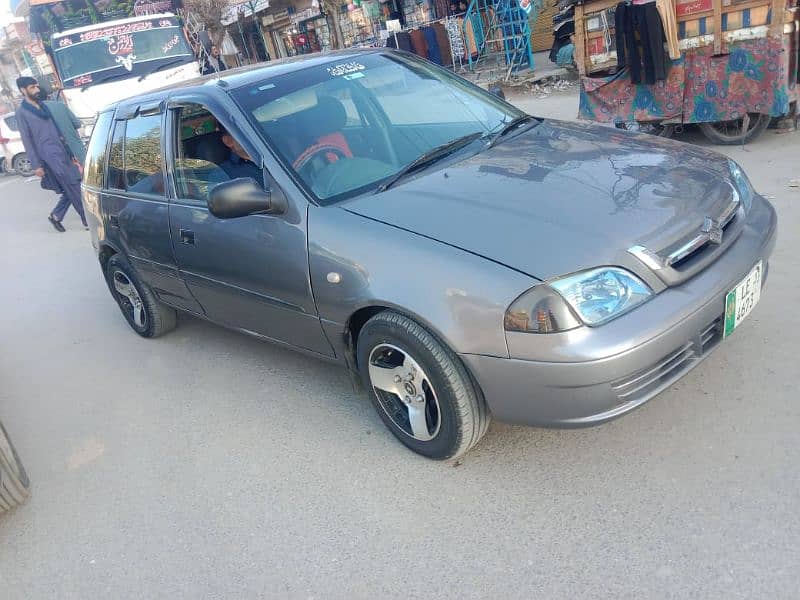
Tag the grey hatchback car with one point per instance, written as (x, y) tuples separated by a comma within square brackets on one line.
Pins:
[(463, 260)]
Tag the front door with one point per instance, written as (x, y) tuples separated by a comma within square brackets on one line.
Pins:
[(249, 273)]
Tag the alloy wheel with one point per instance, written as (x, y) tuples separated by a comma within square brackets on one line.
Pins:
[(405, 392), (129, 298)]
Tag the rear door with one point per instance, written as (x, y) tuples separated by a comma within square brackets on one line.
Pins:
[(249, 273), (135, 206)]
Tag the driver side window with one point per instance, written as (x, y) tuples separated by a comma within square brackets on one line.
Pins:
[(207, 155)]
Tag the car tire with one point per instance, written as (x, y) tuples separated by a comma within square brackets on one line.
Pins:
[(731, 133), (22, 166), (442, 413), (147, 316), (14, 482)]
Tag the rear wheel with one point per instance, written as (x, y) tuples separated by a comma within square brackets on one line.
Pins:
[(22, 165), (146, 315), (14, 483), (421, 390), (738, 131)]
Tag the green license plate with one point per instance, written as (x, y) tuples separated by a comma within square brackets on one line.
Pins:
[(740, 300)]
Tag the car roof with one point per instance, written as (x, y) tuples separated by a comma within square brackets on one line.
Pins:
[(248, 75)]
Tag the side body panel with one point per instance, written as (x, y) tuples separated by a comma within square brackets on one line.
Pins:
[(460, 297)]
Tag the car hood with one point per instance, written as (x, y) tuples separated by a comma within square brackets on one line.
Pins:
[(561, 197)]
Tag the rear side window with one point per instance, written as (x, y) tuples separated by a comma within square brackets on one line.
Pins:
[(96, 152), (116, 170), (142, 155), (11, 121)]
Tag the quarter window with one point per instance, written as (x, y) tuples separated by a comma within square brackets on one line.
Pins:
[(116, 170), (96, 152)]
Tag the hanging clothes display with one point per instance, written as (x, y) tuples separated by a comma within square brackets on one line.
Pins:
[(666, 10), (644, 20), (434, 55), (444, 43), (469, 35), (418, 43), (454, 34), (403, 41)]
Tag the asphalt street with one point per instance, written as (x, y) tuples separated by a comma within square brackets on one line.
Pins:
[(205, 464)]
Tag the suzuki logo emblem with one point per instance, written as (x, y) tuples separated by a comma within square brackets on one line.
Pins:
[(713, 230)]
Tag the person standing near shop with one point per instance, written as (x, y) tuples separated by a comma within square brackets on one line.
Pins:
[(56, 152), (214, 63)]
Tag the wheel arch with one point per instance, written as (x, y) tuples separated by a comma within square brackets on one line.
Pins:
[(358, 318), (104, 254)]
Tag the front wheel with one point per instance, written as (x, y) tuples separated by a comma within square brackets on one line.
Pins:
[(14, 483), (146, 315), (22, 165), (738, 131), (421, 390)]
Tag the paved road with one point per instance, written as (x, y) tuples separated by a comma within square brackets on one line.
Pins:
[(209, 465)]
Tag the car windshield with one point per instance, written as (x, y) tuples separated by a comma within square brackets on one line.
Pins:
[(345, 127), (135, 48), (11, 122)]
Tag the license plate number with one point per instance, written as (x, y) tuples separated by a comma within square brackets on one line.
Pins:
[(740, 300)]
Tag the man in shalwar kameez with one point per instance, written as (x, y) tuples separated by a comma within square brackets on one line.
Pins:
[(48, 134)]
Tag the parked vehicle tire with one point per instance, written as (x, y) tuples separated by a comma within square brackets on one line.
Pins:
[(22, 166), (146, 315), (420, 388), (666, 130), (14, 482), (731, 133)]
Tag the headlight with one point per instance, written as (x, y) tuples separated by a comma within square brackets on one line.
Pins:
[(591, 297), (742, 184)]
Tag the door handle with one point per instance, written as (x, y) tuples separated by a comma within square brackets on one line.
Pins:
[(187, 237), (113, 221)]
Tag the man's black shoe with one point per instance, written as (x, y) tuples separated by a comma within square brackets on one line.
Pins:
[(56, 224)]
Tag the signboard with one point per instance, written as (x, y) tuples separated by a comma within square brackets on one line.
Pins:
[(245, 9), (151, 7), (305, 15), (690, 7)]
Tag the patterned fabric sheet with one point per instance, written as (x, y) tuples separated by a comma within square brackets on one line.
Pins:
[(756, 76)]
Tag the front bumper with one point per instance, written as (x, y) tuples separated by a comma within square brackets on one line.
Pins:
[(592, 375)]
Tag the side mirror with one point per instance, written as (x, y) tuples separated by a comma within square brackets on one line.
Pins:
[(497, 91), (240, 198)]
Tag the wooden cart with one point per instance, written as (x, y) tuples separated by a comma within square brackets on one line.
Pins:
[(730, 84)]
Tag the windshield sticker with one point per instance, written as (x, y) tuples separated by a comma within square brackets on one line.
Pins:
[(345, 69), (120, 45), (350, 76), (264, 88), (171, 44)]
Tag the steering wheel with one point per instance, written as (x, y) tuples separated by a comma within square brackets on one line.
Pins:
[(320, 152)]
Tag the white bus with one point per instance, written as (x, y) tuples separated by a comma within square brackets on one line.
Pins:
[(102, 63)]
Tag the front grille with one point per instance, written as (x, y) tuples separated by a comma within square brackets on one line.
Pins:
[(695, 255), (651, 380)]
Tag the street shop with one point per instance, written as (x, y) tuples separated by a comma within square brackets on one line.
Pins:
[(729, 66)]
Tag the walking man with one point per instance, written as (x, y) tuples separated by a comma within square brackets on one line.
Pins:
[(56, 152)]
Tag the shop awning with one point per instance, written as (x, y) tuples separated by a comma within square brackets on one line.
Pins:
[(251, 7)]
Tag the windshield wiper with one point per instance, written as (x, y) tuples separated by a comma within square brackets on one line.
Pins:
[(104, 80), (161, 67), (430, 157), (509, 127)]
